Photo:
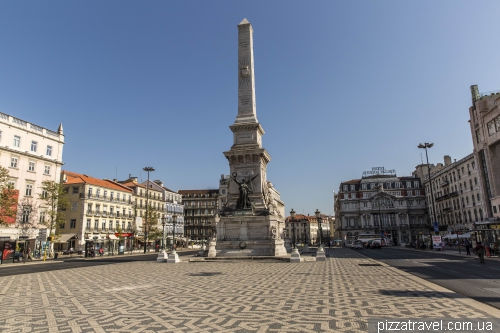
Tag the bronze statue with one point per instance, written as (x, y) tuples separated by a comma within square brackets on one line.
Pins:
[(245, 187)]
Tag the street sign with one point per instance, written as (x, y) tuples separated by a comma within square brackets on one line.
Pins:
[(42, 235), (436, 227)]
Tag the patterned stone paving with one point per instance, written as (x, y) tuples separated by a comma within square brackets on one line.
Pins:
[(336, 295)]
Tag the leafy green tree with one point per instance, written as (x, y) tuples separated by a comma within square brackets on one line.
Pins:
[(8, 199), (26, 221), (56, 200), (151, 228)]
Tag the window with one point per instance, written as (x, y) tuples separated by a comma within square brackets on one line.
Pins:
[(478, 197), (62, 225), (105, 194), (103, 224), (47, 170), (13, 162), (26, 214), (88, 224), (17, 141), (0, 135), (352, 187), (42, 217), (495, 209), (417, 193), (398, 184), (33, 146), (72, 224), (49, 151), (31, 166), (491, 128), (111, 196), (89, 207), (74, 206), (96, 224), (76, 189), (363, 186), (479, 138), (98, 193), (29, 189), (410, 193), (123, 225), (408, 184), (44, 193), (416, 185)]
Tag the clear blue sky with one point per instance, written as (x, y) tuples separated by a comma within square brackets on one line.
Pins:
[(341, 86)]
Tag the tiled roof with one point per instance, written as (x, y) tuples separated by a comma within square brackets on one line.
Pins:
[(352, 181), (77, 178), (198, 191)]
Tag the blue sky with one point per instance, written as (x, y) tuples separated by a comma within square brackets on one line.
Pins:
[(341, 86)]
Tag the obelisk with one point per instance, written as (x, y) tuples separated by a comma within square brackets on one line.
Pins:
[(252, 222), (246, 77)]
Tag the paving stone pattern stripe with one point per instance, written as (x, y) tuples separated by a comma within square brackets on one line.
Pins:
[(336, 295)]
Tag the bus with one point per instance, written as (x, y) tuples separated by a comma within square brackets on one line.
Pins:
[(384, 240)]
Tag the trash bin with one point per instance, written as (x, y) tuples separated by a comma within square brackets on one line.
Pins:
[(55, 255)]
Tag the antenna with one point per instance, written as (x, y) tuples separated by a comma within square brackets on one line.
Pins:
[(421, 159)]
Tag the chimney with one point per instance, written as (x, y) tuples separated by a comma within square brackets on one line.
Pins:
[(447, 160)]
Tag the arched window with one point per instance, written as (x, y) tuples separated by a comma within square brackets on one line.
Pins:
[(481, 213), (475, 215)]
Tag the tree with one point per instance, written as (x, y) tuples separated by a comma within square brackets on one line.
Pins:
[(151, 228), (56, 200), (26, 221), (8, 199)]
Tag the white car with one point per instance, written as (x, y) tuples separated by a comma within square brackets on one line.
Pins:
[(357, 245)]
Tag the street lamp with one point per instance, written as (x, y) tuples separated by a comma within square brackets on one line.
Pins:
[(148, 170), (295, 256), (425, 146), (173, 257), (163, 222), (292, 214), (320, 229), (320, 253)]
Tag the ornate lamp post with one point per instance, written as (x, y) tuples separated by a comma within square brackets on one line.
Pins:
[(148, 170), (425, 146), (295, 256), (320, 254), (292, 214), (163, 222), (173, 257), (306, 241)]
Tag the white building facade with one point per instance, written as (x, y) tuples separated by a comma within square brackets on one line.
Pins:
[(32, 154), (382, 204)]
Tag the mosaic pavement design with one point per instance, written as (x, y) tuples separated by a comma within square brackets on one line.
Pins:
[(336, 295)]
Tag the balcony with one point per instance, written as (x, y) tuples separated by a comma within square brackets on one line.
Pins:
[(447, 209), (444, 183)]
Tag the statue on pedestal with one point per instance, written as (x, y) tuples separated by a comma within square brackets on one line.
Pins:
[(245, 187)]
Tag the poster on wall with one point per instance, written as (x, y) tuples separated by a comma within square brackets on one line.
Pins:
[(436, 242), (8, 249)]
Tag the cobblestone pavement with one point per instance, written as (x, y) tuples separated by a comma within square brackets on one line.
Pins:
[(336, 295)]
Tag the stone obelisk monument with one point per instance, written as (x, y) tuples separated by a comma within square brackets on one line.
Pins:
[(252, 221)]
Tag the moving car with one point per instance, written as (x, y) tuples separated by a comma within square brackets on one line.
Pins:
[(375, 244), (357, 245)]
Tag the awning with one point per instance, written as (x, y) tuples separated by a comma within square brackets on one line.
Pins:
[(64, 238), (112, 237)]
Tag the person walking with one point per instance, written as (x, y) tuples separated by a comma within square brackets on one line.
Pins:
[(480, 252), (28, 254), (467, 247)]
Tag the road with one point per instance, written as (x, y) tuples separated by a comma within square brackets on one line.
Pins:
[(464, 275), (67, 263)]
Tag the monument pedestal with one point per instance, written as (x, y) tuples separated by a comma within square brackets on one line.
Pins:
[(162, 256), (250, 235)]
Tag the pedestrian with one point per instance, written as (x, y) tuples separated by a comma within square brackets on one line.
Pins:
[(101, 251), (28, 254), (480, 252), (71, 251), (467, 247), (488, 250)]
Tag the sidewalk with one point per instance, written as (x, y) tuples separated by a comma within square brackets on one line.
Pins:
[(452, 251)]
